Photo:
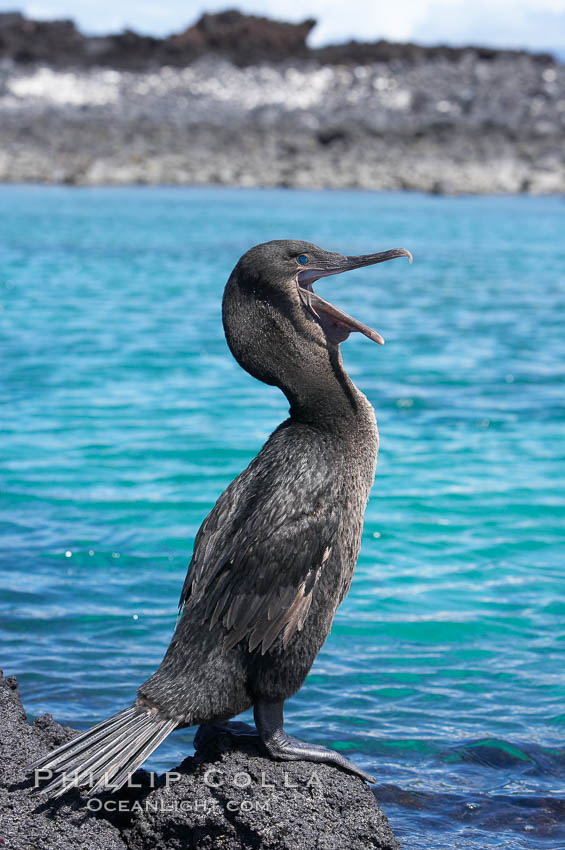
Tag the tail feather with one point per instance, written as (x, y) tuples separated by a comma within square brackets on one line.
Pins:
[(106, 772), (81, 741), (98, 756), (140, 756), (106, 755)]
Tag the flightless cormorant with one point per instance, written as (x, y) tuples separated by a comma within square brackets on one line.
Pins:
[(275, 556)]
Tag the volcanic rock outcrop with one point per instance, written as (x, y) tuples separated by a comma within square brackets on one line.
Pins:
[(241, 100), (219, 799)]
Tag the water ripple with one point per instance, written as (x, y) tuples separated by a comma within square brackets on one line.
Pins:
[(124, 417)]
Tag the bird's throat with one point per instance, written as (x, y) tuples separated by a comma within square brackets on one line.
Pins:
[(324, 395)]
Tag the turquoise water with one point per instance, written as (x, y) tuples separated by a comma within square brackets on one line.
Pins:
[(124, 417)]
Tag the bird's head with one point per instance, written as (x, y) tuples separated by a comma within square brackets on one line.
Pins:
[(274, 321)]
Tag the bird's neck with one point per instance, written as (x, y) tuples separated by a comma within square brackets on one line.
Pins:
[(322, 394)]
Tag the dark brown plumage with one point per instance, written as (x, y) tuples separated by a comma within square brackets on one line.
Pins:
[(275, 556)]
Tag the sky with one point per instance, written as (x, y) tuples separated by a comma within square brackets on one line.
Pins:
[(533, 24)]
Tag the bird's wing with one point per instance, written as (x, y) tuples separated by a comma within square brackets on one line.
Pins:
[(261, 551)]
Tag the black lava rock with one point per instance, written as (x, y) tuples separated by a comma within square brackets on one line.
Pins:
[(222, 798), (27, 820), (242, 39)]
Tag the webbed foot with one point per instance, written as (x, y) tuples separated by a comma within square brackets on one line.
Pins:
[(279, 745)]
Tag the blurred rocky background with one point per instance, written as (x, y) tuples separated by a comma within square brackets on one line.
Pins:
[(242, 100)]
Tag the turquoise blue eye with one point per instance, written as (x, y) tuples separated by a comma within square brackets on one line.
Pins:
[(302, 258)]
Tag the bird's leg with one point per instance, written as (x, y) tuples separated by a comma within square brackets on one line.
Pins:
[(279, 745)]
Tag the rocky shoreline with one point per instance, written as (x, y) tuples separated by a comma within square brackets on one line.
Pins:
[(377, 117), (218, 799)]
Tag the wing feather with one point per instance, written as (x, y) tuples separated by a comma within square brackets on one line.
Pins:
[(260, 552)]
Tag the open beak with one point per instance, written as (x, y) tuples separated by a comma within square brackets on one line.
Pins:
[(336, 324)]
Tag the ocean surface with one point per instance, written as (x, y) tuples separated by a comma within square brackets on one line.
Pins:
[(124, 416)]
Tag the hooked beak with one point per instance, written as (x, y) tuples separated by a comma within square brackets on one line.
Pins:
[(336, 324)]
